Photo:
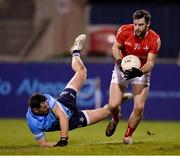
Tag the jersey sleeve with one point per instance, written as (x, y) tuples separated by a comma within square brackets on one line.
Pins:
[(121, 35), (156, 44), (34, 127), (51, 101), (38, 134)]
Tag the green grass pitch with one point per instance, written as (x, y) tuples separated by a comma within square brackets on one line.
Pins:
[(150, 138)]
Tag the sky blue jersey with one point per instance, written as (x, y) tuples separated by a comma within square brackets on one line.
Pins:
[(40, 124)]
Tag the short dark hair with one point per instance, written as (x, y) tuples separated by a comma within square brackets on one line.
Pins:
[(36, 99), (142, 14)]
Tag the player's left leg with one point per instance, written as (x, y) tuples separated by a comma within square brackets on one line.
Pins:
[(77, 65), (99, 114), (96, 115), (140, 92)]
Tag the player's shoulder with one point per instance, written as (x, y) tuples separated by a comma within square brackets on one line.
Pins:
[(154, 39), (153, 34), (125, 29)]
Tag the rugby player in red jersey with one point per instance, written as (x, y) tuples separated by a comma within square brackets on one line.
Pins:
[(135, 39)]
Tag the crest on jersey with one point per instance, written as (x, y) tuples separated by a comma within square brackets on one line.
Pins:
[(137, 46)]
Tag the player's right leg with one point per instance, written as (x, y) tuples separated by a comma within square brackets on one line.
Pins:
[(140, 95), (77, 65)]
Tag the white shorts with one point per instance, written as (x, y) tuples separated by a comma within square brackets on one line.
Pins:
[(118, 78)]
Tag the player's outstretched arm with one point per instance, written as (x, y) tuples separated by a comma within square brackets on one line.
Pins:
[(64, 125)]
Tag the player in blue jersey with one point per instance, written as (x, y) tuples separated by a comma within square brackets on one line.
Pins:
[(46, 113)]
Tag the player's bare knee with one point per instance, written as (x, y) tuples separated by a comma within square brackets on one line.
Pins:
[(112, 106), (107, 109), (138, 109)]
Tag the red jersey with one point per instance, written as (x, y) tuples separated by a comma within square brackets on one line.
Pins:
[(139, 47)]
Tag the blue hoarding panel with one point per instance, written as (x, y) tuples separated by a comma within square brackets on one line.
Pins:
[(19, 80)]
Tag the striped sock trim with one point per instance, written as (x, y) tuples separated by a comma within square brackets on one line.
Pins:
[(75, 54)]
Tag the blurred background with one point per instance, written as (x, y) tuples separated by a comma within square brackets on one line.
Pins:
[(36, 35)]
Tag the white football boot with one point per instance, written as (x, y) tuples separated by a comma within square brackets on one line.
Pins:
[(78, 43), (127, 140)]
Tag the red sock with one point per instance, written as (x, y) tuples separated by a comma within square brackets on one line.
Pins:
[(129, 131)]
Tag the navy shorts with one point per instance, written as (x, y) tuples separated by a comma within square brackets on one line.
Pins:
[(68, 99)]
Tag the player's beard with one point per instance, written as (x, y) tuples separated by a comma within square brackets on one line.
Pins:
[(141, 34)]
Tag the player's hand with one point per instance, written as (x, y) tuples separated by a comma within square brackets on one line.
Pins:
[(132, 73), (62, 142), (118, 62)]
